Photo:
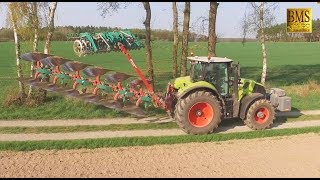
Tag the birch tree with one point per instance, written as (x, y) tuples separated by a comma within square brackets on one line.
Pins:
[(52, 9), (260, 17), (13, 16)]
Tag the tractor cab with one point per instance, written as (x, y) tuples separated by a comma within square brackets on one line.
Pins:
[(215, 70)]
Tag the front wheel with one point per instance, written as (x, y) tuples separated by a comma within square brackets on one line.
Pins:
[(198, 113), (260, 115)]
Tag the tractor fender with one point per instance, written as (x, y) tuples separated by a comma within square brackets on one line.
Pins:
[(247, 101), (201, 88), (192, 89)]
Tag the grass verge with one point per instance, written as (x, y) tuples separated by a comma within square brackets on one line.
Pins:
[(147, 141), (123, 127), (87, 128), (126, 127)]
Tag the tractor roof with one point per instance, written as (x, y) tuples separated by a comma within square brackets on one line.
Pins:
[(212, 59)]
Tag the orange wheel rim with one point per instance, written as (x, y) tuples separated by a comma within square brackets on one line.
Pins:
[(262, 115), (200, 114)]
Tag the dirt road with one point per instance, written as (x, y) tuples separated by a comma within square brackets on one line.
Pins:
[(223, 128), (293, 156)]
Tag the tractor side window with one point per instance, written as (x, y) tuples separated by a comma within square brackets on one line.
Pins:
[(217, 74), (197, 71)]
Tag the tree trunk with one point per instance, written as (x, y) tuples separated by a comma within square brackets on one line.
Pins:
[(262, 41), (212, 29), (47, 46), (17, 47), (148, 42), (175, 41), (35, 22), (52, 10), (35, 25), (185, 37)]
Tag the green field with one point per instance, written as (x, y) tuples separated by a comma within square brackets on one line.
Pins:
[(290, 66)]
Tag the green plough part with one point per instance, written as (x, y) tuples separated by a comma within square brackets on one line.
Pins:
[(125, 94), (147, 101), (63, 77), (105, 89), (83, 83), (44, 72), (90, 43)]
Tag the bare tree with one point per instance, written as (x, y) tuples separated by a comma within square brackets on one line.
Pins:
[(212, 29), (14, 22), (148, 42), (51, 13), (111, 7), (185, 38), (35, 25), (260, 17), (175, 40)]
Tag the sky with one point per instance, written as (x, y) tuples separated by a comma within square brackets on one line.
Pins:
[(227, 23)]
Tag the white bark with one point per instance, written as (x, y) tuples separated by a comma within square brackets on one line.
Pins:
[(51, 27), (262, 41), (17, 48), (35, 41), (35, 22), (35, 48)]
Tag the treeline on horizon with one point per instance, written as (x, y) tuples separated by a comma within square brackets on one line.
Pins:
[(274, 33), (278, 32)]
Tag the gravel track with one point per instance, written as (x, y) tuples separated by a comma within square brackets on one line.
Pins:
[(236, 127), (292, 156), (80, 122)]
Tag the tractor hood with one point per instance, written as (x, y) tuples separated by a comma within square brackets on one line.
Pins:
[(248, 86), (184, 84)]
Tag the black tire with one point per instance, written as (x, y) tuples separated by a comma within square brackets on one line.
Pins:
[(265, 120), (181, 114)]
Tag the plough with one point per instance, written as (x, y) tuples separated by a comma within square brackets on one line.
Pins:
[(90, 43), (213, 91), (95, 84)]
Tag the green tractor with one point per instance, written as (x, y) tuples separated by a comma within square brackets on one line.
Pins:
[(215, 91)]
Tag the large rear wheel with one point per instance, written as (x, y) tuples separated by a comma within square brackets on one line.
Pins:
[(198, 113), (260, 115)]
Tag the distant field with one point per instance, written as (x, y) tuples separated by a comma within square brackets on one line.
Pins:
[(288, 64)]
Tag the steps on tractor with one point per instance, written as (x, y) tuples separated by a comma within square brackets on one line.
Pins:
[(34, 56)]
